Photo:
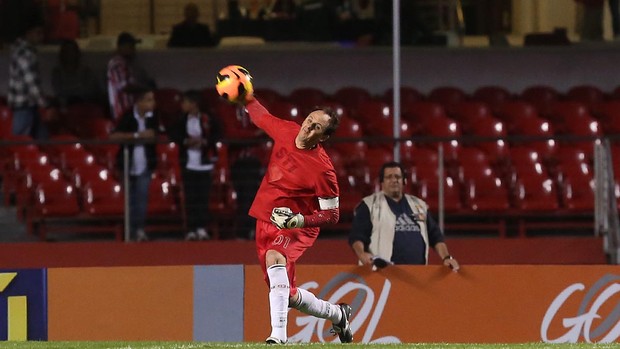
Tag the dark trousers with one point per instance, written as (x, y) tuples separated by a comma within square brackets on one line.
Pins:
[(138, 200), (196, 186)]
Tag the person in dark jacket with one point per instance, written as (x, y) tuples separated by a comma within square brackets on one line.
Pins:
[(139, 124), (196, 134), (190, 32)]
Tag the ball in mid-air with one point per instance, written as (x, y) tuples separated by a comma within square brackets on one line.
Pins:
[(234, 83)]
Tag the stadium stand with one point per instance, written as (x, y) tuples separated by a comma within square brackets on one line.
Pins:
[(495, 179)]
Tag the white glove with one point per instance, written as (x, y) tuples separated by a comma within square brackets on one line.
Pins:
[(284, 218)]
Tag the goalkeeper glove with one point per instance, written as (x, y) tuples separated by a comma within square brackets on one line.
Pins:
[(284, 218)]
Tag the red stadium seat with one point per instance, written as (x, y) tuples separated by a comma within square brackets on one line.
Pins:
[(578, 194), (80, 176), (490, 127), (493, 96), (535, 194), (103, 197), (79, 117), (448, 96), (469, 113), (427, 189), (161, 197), (541, 97), (351, 97), (307, 98), (425, 161), (349, 128), (407, 95), (537, 127), (168, 161), (375, 158), (222, 200), (445, 128), (486, 193), (572, 161), (236, 122), (377, 120), (473, 163), (533, 187), (267, 96), (590, 96), (53, 199), (97, 128), (350, 197), (287, 111), (14, 160), (609, 115), (573, 118), (513, 112), (417, 112), (168, 105), (29, 178), (6, 122), (566, 111)]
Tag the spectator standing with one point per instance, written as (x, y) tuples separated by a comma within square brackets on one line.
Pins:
[(190, 32), (72, 81), (614, 9), (393, 227), (122, 72), (25, 96), (591, 19), (196, 134), (138, 124)]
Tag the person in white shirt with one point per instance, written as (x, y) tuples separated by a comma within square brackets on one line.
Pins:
[(196, 135)]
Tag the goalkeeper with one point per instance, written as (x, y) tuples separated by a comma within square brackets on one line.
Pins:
[(298, 194)]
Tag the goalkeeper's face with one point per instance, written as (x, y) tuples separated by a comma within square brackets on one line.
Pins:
[(313, 129)]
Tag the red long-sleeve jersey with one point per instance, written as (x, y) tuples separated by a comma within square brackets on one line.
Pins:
[(301, 179)]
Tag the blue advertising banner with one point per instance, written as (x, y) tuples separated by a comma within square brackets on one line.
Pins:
[(23, 305)]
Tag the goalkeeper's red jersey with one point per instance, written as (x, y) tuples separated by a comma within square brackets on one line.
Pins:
[(295, 178)]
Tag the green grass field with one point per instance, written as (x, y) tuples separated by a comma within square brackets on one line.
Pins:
[(196, 345)]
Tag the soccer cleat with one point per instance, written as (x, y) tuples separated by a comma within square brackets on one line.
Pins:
[(343, 328), (274, 340)]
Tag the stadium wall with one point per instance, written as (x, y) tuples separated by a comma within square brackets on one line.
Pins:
[(229, 303), (539, 250), (284, 67)]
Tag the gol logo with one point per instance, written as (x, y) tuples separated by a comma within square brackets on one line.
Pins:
[(363, 302), (581, 324)]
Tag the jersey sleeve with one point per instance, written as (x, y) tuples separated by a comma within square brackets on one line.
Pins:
[(327, 190), (261, 117)]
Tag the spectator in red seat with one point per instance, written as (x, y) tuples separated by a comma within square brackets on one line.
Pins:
[(196, 134), (139, 124), (391, 227)]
